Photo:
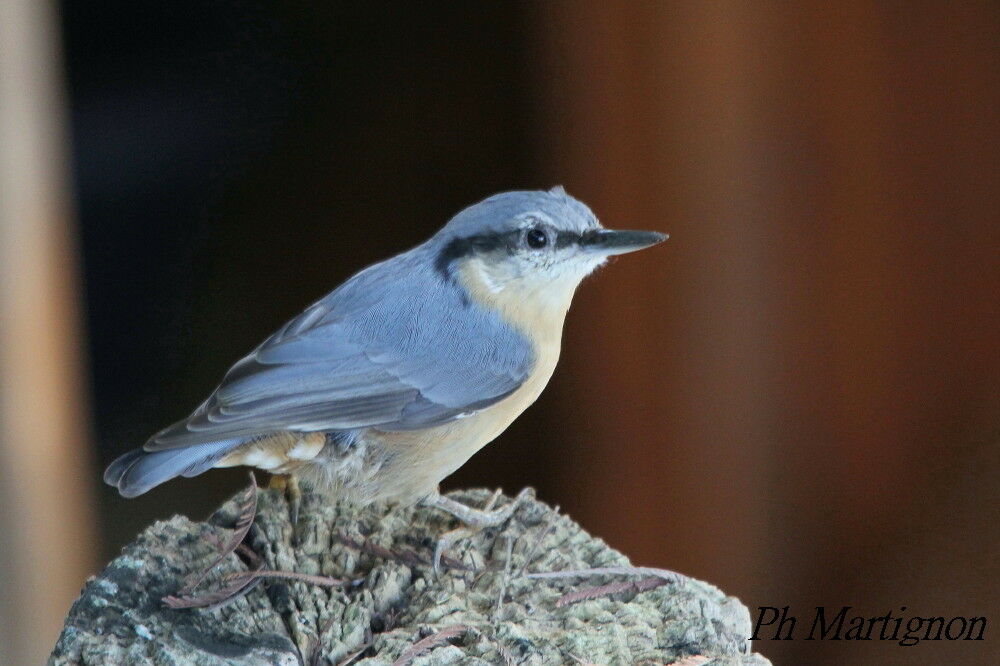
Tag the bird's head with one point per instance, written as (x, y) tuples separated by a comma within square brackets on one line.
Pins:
[(529, 249)]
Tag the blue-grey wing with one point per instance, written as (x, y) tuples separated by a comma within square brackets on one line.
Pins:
[(396, 347)]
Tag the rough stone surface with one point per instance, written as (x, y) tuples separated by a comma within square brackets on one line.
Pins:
[(495, 613)]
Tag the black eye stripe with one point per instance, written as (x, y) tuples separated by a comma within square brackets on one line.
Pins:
[(469, 245), (509, 241)]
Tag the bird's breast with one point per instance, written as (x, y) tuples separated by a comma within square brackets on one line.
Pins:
[(417, 461)]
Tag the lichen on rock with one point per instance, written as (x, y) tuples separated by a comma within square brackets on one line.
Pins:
[(484, 608)]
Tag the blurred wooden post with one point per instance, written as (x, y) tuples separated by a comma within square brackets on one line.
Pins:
[(652, 120), (809, 365), (46, 525)]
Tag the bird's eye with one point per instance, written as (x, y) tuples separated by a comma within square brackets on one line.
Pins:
[(536, 238)]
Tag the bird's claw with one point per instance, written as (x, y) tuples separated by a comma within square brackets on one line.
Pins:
[(475, 520)]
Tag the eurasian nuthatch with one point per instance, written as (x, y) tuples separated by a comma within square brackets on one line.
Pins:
[(392, 381)]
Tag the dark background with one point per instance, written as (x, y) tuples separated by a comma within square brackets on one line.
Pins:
[(234, 162), (796, 398)]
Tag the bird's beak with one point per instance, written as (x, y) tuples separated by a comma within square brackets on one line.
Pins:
[(611, 241)]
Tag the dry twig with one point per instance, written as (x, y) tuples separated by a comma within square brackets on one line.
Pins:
[(248, 510), (610, 589), (228, 593), (666, 574), (693, 660), (505, 580), (213, 599), (324, 581), (427, 644), (354, 655)]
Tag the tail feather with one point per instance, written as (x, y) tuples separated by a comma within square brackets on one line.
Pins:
[(113, 474), (138, 471)]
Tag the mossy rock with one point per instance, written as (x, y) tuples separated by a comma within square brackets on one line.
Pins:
[(483, 608)]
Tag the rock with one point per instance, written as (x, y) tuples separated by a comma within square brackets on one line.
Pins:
[(483, 609)]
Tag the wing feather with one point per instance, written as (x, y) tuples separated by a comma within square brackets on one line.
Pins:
[(395, 347)]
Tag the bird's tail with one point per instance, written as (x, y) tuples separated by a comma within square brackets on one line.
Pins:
[(138, 470)]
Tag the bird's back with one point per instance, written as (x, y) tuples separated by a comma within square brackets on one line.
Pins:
[(397, 347)]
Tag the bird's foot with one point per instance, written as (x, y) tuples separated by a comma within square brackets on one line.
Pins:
[(475, 520), (293, 493)]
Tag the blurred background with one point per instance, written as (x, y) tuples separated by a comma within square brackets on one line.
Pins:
[(796, 398)]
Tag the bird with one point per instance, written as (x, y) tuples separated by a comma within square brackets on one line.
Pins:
[(392, 381)]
